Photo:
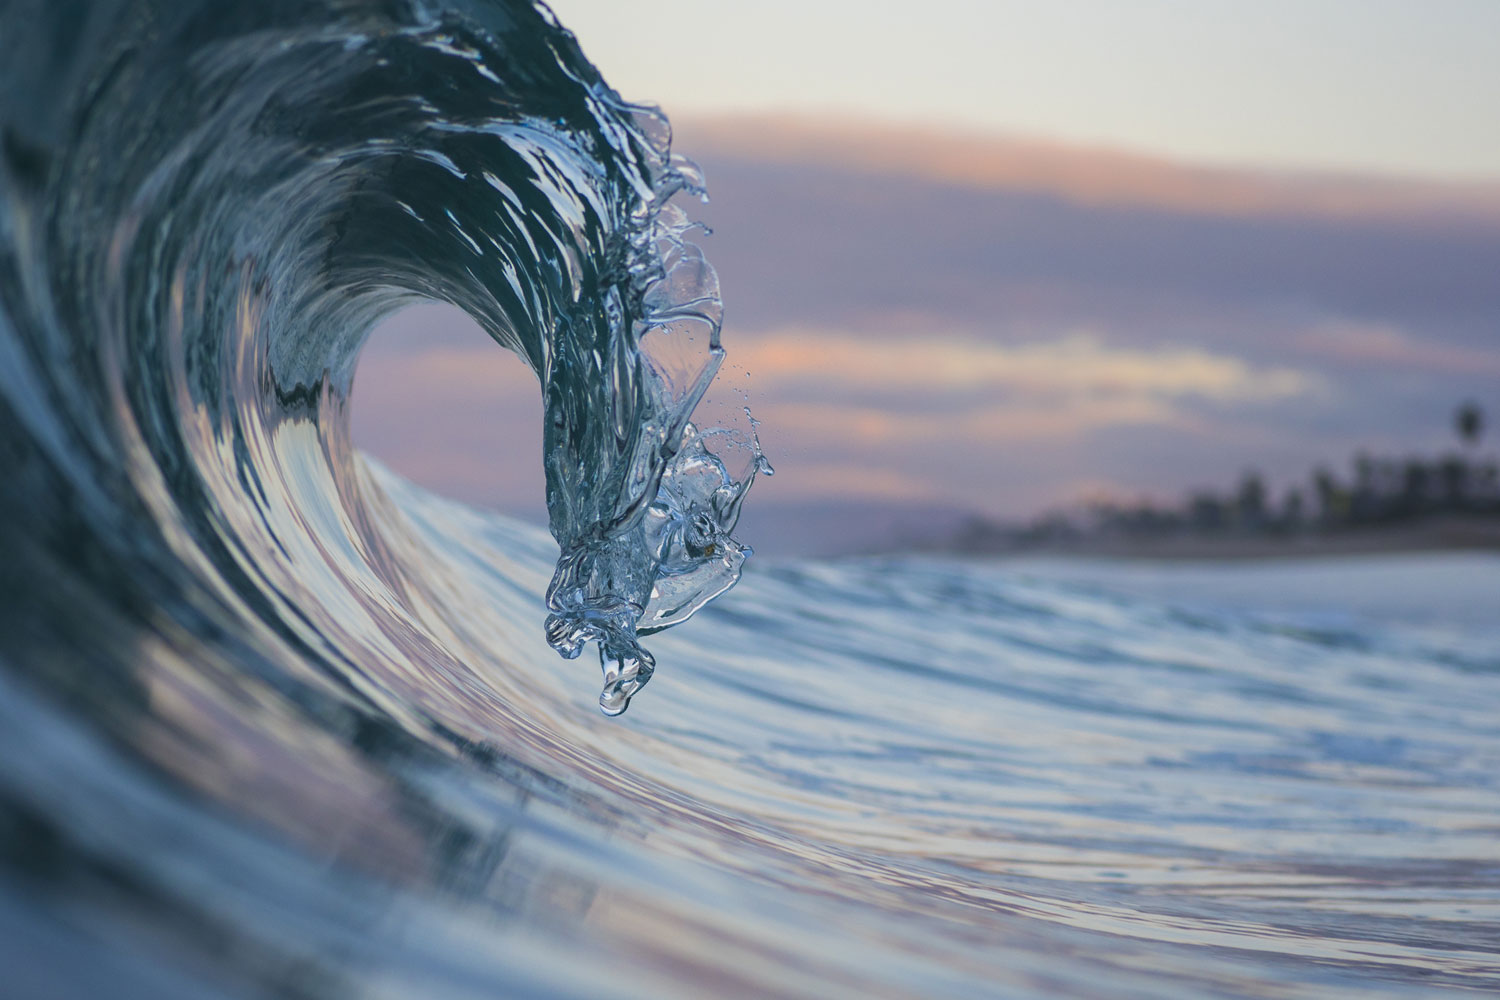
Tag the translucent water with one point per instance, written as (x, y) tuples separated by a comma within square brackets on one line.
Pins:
[(275, 723)]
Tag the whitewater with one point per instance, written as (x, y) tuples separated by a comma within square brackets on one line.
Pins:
[(275, 722)]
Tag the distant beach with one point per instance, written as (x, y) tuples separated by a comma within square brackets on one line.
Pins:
[(1438, 534)]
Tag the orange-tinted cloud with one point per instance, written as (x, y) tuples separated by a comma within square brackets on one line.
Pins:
[(1091, 176), (1078, 365), (833, 426)]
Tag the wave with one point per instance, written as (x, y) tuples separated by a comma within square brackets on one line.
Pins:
[(275, 722), (215, 210)]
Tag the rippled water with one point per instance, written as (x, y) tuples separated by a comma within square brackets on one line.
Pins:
[(274, 722)]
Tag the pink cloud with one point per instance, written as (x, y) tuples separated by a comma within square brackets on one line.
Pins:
[(1084, 175), (1388, 347), (464, 420)]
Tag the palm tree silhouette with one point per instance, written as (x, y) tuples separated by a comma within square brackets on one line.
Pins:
[(1469, 423)]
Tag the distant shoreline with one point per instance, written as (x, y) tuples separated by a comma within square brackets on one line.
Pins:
[(1439, 534)]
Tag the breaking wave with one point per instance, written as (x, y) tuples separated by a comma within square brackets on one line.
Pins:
[(275, 722)]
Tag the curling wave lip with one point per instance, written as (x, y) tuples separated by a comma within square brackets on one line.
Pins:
[(270, 189)]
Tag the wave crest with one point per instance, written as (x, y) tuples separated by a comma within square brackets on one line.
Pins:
[(208, 213)]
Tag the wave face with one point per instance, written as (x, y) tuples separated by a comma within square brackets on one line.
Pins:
[(213, 207), (274, 722)]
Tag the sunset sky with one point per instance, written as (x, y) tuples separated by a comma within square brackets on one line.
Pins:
[(1383, 85), (1000, 256)]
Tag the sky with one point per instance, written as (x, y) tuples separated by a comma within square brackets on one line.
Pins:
[(943, 305), (1391, 86)]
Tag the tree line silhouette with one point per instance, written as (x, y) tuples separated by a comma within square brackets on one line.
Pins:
[(1376, 493)]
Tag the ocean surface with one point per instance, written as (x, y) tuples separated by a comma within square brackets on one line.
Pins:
[(276, 723)]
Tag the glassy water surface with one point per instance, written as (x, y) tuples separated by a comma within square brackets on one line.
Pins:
[(274, 722)]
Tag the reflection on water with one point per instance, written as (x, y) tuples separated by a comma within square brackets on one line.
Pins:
[(897, 777), (275, 723)]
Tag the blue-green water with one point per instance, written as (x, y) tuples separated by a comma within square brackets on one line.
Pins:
[(275, 723)]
